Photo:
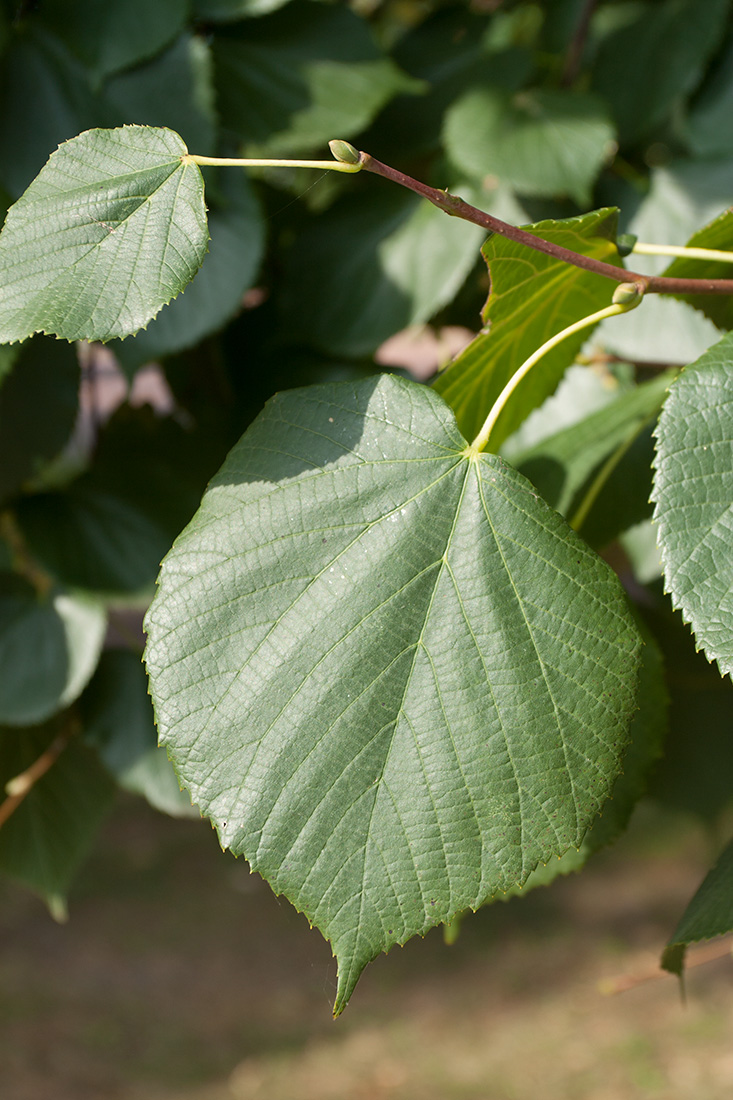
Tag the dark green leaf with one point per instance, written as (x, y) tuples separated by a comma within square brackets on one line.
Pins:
[(175, 90), (53, 828), (710, 913), (707, 126), (533, 296), (39, 402), (541, 142), (112, 229), (693, 494), (395, 705), (304, 75), (49, 647), (657, 58), (215, 296), (45, 98), (108, 531), (110, 37), (118, 721), (373, 265)]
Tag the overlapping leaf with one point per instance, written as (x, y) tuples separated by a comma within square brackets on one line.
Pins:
[(112, 228), (693, 494), (390, 674), (49, 647), (718, 234), (533, 296)]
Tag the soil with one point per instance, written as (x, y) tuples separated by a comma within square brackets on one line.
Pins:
[(181, 977)]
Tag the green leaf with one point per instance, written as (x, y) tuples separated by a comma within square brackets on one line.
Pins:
[(533, 296), (39, 402), (110, 37), (45, 98), (113, 227), (44, 841), (295, 79), (228, 11), (390, 674), (656, 59), (710, 913), (707, 128), (215, 296), (693, 494), (539, 141), (573, 467), (175, 89), (682, 196), (49, 647), (109, 529), (718, 234), (118, 721), (404, 260)]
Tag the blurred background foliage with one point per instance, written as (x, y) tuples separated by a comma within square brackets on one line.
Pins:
[(529, 110)]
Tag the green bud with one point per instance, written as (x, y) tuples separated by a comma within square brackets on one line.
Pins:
[(344, 151), (628, 295)]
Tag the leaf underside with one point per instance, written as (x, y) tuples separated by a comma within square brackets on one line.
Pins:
[(111, 229), (392, 676)]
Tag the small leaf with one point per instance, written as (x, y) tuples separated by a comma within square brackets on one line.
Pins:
[(693, 494), (390, 674), (539, 141), (710, 913), (118, 721), (533, 296), (49, 648), (49, 834), (111, 229)]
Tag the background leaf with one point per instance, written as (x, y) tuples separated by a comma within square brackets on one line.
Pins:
[(532, 297), (404, 261), (39, 402), (49, 648), (693, 494), (542, 142), (707, 915), (652, 61), (110, 37), (45, 840), (458, 714), (301, 76), (118, 721), (108, 202)]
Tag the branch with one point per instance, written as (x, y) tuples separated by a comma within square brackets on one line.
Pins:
[(458, 208), (20, 785)]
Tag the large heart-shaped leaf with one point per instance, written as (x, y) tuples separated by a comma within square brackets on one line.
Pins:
[(693, 494), (391, 675), (110, 230)]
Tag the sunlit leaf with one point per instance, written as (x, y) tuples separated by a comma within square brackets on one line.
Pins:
[(112, 228), (390, 674)]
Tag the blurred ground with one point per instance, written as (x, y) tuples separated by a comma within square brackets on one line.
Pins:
[(180, 977)]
